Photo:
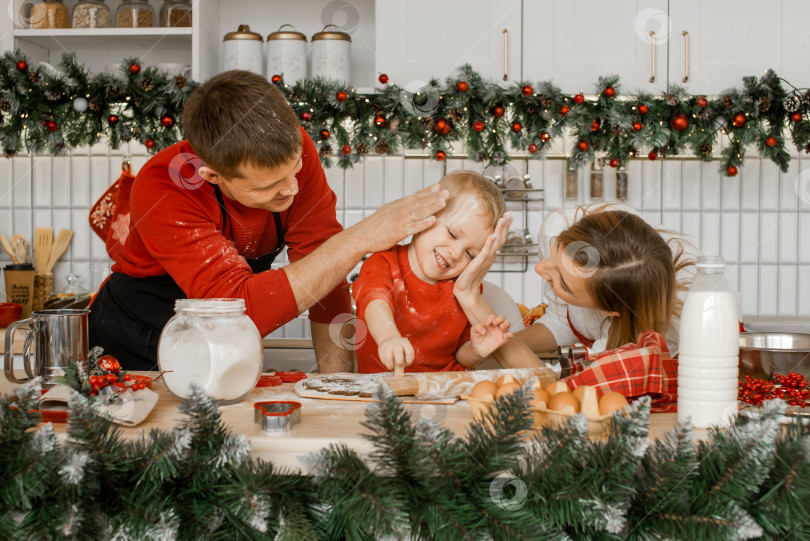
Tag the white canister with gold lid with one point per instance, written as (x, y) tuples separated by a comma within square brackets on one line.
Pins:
[(287, 54), (242, 50), (332, 55)]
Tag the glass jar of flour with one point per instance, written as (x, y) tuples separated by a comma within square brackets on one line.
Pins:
[(213, 343)]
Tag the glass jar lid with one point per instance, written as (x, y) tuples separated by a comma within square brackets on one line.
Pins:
[(287, 34), (334, 34), (243, 33), (209, 306)]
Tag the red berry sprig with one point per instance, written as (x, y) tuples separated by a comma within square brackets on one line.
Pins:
[(792, 388)]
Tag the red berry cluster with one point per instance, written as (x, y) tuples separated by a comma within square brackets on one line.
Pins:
[(793, 388), (107, 374)]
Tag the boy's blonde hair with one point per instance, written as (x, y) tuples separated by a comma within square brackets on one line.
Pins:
[(464, 181)]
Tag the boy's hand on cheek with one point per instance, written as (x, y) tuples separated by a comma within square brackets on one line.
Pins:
[(468, 283)]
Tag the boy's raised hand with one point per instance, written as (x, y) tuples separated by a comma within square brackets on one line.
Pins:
[(469, 281), (396, 353), (488, 336)]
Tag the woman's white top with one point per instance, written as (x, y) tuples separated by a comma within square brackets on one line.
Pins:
[(591, 323)]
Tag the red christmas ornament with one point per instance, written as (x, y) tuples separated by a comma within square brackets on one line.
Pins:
[(579, 98), (462, 86), (582, 145), (679, 122), (134, 68), (345, 150), (379, 121), (440, 125), (545, 137), (166, 121), (341, 96), (796, 117), (324, 134), (731, 171), (527, 90), (497, 111), (532, 148), (652, 156), (595, 124), (275, 79), (51, 126), (643, 109), (516, 127), (440, 155), (771, 142), (478, 125), (109, 364), (564, 110), (609, 92), (739, 120), (149, 143), (702, 102), (637, 126), (383, 78), (112, 119), (306, 116), (614, 162), (22, 65)]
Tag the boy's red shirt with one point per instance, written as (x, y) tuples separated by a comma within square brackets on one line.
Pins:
[(176, 229), (428, 315)]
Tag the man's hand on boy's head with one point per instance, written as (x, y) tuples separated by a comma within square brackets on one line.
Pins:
[(396, 351), (398, 220), (470, 280), (488, 336)]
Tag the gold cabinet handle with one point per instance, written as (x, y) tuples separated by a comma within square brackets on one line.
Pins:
[(652, 39), (505, 54), (685, 35)]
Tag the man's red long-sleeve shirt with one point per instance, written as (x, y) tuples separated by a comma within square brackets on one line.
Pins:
[(176, 229)]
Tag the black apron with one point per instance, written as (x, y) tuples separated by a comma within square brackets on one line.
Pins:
[(128, 314)]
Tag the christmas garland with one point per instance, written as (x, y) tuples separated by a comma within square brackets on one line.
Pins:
[(501, 481), (57, 110)]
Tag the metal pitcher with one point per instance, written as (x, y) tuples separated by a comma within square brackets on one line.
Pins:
[(57, 336)]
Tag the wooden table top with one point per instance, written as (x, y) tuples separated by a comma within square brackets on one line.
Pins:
[(323, 422)]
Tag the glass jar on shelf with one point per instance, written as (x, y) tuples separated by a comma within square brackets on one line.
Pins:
[(135, 14), (175, 13), (91, 14), (49, 14)]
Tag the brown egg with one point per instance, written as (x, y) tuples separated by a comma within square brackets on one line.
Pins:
[(508, 378), (507, 388), (541, 398), (564, 403), (611, 401), (484, 388), (557, 387)]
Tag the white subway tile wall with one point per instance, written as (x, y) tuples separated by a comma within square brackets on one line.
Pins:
[(758, 221)]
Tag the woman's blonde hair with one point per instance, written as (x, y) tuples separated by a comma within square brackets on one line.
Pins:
[(464, 181), (630, 269)]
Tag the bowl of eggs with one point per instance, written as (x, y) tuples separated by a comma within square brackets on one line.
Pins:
[(484, 393), (553, 405)]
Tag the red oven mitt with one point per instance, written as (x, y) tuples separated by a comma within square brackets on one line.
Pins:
[(635, 370), (109, 216)]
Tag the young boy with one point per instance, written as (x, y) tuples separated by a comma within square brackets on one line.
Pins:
[(405, 295)]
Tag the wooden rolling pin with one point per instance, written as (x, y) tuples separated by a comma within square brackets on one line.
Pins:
[(453, 384)]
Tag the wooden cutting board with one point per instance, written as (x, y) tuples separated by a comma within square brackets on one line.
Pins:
[(420, 387)]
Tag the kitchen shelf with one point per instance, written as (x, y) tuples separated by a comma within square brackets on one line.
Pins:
[(83, 38)]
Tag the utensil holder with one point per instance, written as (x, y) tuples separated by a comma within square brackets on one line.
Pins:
[(43, 286)]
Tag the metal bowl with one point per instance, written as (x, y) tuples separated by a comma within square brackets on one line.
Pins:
[(763, 354)]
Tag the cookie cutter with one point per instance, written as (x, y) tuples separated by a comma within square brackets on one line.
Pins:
[(277, 417)]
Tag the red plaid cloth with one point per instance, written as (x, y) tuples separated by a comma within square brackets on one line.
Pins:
[(635, 370)]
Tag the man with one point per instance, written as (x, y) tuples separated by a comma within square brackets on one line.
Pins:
[(210, 214)]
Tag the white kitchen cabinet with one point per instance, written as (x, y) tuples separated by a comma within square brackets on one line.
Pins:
[(198, 46), (573, 42), (728, 39), (421, 39)]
